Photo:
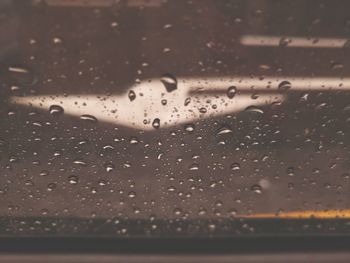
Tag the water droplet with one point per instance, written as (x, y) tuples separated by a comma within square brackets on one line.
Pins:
[(134, 140), (51, 187), (132, 95), (23, 75), (189, 127), (202, 110), (109, 167), (256, 189), (194, 167), (211, 227), (290, 171), (167, 26), (232, 212), (231, 92), (224, 130), (73, 179), (114, 24), (57, 40), (169, 82), (284, 42), (16, 69), (80, 162), (284, 85), (102, 183), (254, 109), (56, 110), (235, 167), (177, 211), (156, 123), (88, 118), (187, 101), (44, 173), (132, 194), (171, 189), (164, 102)]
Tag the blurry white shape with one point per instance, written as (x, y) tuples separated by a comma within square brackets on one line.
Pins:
[(304, 42), (140, 112), (79, 3), (99, 3), (144, 3)]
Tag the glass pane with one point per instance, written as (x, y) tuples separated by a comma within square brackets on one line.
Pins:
[(174, 118)]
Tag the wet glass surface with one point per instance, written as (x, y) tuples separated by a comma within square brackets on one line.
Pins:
[(174, 118)]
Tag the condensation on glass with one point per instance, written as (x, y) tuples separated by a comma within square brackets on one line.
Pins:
[(174, 118)]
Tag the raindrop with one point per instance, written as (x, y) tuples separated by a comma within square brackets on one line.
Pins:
[(109, 167), (23, 75), (51, 187), (169, 82), (284, 85), (102, 183), (132, 95), (44, 173), (177, 211), (254, 109), (88, 118), (224, 130), (187, 101), (193, 167), (231, 92), (235, 167), (164, 102), (15, 69), (256, 189), (73, 179), (211, 227), (134, 140), (156, 123), (132, 194), (290, 171), (57, 40), (189, 127), (284, 42), (171, 189), (114, 24), (202, 110), (232, 212), (56, 110), (80, 162)]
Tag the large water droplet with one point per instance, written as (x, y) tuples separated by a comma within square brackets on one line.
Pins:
[(132, 194), (51, 187), (132, 95), (235, 167), (88, 118), (169, 82), (109, 167), (134, 140), (56, 110), (284, 42), (254, 109), (189, 127), (80, 162), (231, 92), (73, 179), (284, 85), (224, 130), (23, 75), (194, 167), (156, 123), (256, 189)]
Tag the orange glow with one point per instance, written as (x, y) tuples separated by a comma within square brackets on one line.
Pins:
[(329, 214)]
